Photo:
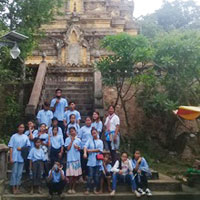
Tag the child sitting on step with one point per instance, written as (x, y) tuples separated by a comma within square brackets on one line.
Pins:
[(123, 172), (106, 174), (36, 157), (141, 171)]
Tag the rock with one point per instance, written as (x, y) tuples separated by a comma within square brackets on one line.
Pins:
[(187, 145), (197, 164)]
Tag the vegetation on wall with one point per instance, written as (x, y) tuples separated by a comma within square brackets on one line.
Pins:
[(25, 17), (170, 77)]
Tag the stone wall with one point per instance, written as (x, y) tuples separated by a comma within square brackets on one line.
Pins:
[(187, 138), (136, 115)]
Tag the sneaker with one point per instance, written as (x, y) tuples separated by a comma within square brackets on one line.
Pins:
[(87, 192), (95, 191), (61, 196), (50, 197), (32, 191), (141, 191), (73, 191), (39, 191), (148, 192), (69, 191), (137, 194), (112, 193)]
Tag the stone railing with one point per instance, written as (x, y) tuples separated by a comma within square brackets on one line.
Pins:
[(3, 161), (37, 89), (98, 94)]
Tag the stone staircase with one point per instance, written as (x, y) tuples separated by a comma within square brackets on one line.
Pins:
[(76, 83), (164, 188)]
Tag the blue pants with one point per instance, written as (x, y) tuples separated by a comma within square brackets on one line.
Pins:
[(16, 176), (93, 177), (123, 179)]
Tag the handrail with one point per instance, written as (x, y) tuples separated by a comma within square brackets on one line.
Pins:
[(3, 161), (98, 94), (37, 89)]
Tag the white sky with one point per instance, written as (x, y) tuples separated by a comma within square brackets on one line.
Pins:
[(143, 7)]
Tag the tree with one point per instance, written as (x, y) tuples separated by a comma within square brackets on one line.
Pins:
[(175, 79), (171, 16), (26, 17), (178, 14), (121, 66)]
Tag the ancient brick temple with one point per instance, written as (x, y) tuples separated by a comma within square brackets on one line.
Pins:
[(71, 47)]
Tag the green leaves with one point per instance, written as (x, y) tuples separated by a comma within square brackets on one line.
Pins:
[(26, 17), (173, 15), (177, 64), (127, 51)]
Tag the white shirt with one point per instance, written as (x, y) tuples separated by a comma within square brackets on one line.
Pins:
[(113, 122), (126, 167)]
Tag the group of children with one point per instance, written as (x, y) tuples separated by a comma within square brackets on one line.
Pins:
[(59, 139)]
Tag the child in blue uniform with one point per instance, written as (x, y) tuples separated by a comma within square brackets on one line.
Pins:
[(16, 143), (84, 135), (31, 132), (56, 144), (45, 115), (44, 145), (73, 168), (56, 180), (55, 123), (123, 172), (72, 123), (36, 156), (106, 173), (92, 148), (141, 171), (71, 111), (97, 123)]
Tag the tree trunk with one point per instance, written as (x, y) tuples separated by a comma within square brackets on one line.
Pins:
[(125, 112)]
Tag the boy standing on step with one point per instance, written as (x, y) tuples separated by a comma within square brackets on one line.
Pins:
[(141, 171), (45, 115), (36, 157), (58, 106), (71, 111)]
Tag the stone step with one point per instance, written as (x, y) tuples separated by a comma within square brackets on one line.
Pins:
[(72, 88), (78, 98), (69, 90), (75, 70), (70, 83), (83, 95), (154, 185), (164, 183), (63, 80), (118, 196)]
